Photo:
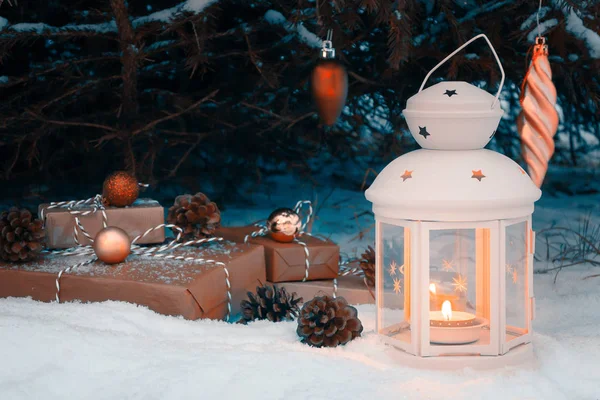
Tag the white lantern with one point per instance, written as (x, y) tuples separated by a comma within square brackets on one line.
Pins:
[(454, 242)]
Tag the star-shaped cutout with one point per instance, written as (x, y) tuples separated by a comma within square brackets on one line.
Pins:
[(406, 175), (509, 268), (393, 267), (478, 175), (397, 288), (451, 93), (448, 265), (423, 132), (493, 133), (460, 283)]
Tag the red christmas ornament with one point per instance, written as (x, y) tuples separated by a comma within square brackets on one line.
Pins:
[(329, 84)]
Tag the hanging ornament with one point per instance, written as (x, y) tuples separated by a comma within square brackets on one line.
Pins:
[(112, 245), (329, 84), (538, 121), (120, 189), (284, 224)]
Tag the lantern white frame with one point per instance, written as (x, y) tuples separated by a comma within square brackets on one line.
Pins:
[(417, 255)]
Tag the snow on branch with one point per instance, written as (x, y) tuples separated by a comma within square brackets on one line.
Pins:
[(544, 27), (574, 25), (276, 18), (532, 18), (193, 6)]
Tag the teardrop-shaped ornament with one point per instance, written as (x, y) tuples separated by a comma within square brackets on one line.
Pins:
[(329, 84)]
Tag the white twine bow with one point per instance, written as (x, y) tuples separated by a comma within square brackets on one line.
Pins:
[(159, 252), (263, 230)]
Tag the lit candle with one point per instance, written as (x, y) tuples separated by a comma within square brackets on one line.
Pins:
[(448, 318), (453, 327)]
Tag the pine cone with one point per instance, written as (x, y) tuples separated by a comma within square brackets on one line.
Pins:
[(21, 235), (196, 215), (367, 263), (328, 322), (272, 303)]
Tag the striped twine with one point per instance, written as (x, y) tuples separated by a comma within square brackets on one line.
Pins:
[(297, 209), (344, 270)]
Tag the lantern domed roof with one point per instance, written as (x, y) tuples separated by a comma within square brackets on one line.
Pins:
[(462, 185)]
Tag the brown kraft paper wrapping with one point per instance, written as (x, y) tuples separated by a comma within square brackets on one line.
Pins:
[(286, 261), (192, 290), (135, 220), (352, 288)]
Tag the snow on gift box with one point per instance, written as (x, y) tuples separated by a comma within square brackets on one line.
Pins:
[(168, 286), (453, 236)]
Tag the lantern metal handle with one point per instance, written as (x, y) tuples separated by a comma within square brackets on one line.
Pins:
[(459, 49)]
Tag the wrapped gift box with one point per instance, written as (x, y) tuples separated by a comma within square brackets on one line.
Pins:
[(352, 288), (135, 220), (286, 261), (169, 287)]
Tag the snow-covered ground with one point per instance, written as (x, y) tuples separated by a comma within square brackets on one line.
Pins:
[(116, 350)]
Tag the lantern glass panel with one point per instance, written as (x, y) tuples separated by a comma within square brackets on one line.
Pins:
[(394, 283), (459, 282), (516, 280)]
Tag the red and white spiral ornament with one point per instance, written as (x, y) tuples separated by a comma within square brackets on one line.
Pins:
[(538, 121)]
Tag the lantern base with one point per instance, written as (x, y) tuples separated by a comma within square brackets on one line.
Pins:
[(522, 355)]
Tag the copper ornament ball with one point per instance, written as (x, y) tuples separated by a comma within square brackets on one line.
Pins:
[(120, 189), (112, 245), (284, 225)]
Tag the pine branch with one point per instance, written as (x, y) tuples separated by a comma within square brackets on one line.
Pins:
[(174, 115)]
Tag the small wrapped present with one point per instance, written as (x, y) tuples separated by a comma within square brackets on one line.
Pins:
[(350, 287), (171, 287), (286, 262), (143, 214)]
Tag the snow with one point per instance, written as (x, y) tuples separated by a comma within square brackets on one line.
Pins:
[(116, 350), (31, 27), (574, 25), (196, 6), (544, 27), (533, 18), (276, 18), (40, 27), (193, 6), (160, 16)]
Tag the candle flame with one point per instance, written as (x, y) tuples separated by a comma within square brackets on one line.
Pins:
[(432, 288), (447, 310)]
